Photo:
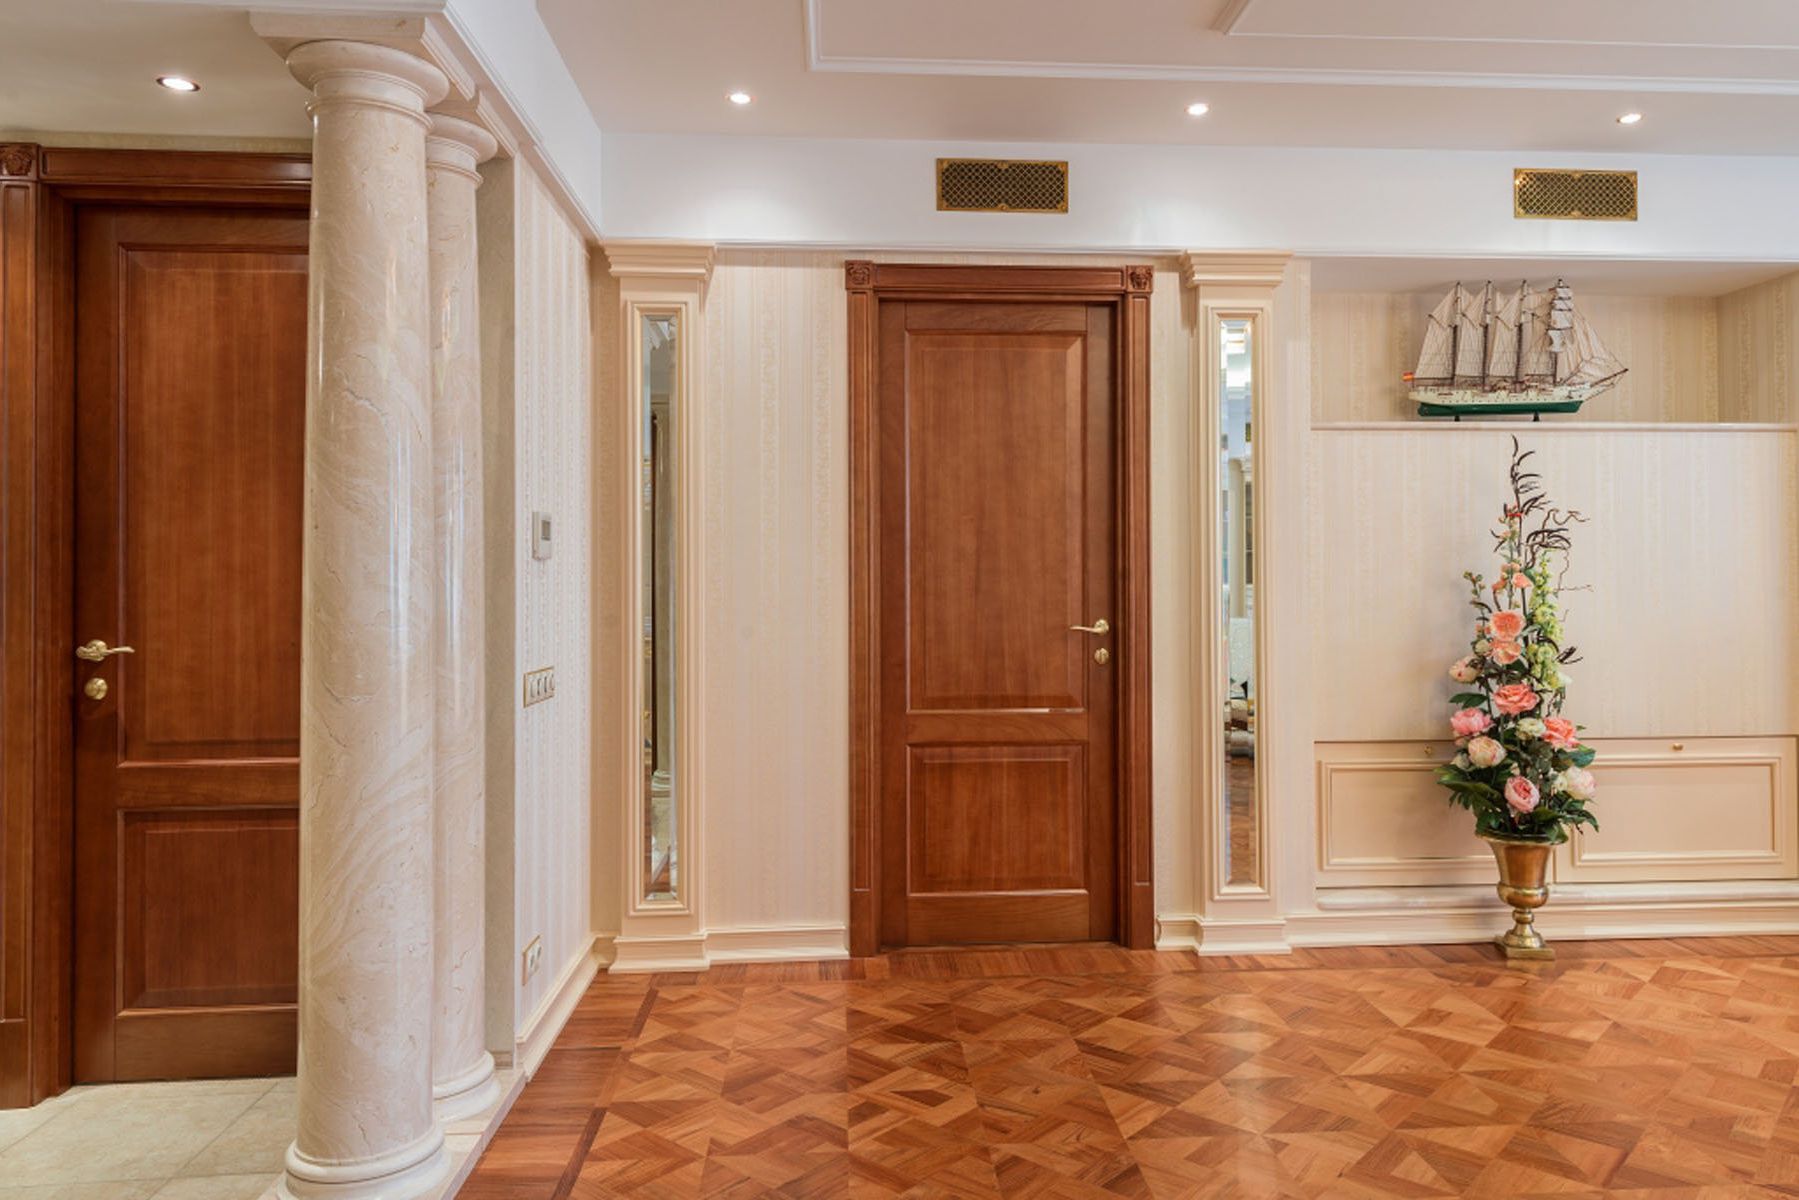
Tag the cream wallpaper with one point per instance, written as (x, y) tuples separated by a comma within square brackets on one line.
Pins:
[(537, 375), (1681, 593), (777, 579), (1758, 328), (1364, 342)]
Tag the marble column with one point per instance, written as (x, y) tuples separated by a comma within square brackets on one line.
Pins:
[(462, 1076), (366, 1128)]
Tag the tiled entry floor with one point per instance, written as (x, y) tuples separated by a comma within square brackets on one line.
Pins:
[(209, 1140)]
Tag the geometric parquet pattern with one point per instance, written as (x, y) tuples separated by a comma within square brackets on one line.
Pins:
[(1664, 1070)]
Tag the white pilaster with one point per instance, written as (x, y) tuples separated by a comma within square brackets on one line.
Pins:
[(663, 279)]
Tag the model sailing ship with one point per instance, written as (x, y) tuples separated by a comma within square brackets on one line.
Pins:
[(1527, 352)]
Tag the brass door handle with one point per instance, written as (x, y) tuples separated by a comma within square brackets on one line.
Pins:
[(98, 651), (1101, 626)]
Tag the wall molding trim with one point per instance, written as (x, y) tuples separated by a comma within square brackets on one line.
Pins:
[(540, 1029)]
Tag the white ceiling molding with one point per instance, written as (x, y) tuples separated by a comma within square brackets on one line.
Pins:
[(818, 59)]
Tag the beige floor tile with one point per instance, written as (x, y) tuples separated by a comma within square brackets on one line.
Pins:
[(254, 1142), (15, 1123), (216, 1187), (125, 1132), (139, 1189)]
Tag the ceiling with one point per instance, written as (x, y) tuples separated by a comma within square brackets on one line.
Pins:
[(91, 66), (1529, 75), (1720, 77)]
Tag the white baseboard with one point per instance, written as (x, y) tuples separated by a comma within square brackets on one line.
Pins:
[(1400, 916), (778, 943), (696, 952), (540, 1029), (1575, 912)]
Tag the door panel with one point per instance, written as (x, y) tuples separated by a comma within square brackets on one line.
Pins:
[(998, 793), (190, 389)]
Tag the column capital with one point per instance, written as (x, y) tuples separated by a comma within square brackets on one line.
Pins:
[(660, 260), (365, 73), (1251, 268), (457, 145)]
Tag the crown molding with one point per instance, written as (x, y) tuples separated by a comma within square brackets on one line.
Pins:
[(660, 259), (1226, 22), (1255, 268)]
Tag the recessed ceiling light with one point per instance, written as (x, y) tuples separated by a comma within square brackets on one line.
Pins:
[(1630, 118), (1198, 108), (740, 98), (178, 83)]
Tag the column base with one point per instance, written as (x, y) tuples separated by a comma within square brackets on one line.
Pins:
[(402, 1174), (468, 1094)]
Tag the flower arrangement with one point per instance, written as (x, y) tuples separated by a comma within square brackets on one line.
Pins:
[(1521, 768)]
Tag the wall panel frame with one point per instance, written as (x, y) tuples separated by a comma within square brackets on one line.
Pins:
[(40, 190), (1128, 289)]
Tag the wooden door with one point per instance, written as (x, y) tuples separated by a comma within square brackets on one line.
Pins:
[(190, 377), (998, 714)]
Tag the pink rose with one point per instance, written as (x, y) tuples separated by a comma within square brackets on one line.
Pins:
[(1560, 733), (1515, 698), (1485, 752), (1521, 794), (1467, 722), (1463, 671), (1520, 581), (1505, 652), (1507, 625)]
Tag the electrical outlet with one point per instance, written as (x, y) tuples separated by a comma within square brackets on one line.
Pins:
[(533, 959), (540, 685)]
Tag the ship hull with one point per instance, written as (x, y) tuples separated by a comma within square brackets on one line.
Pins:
[(1466, 402)]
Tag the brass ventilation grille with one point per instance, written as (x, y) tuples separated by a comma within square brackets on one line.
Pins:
[(1574, 195), (1001, 185)]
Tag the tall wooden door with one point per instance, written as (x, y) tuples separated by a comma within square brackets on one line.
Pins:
[(998, 694), (189, 399)]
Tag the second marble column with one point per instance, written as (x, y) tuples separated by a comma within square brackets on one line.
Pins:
[(462, 1075)]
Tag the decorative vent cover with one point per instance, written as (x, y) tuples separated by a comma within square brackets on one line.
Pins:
[(1001, 185), (1574, 195)]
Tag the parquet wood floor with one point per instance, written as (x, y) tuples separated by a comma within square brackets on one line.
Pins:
[(1659, 1070)]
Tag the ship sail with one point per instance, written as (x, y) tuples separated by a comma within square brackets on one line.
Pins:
[(1534, 338), (1502, 336), (1436, 362), (1471, 339)]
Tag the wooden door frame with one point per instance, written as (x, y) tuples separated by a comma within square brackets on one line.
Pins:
[(41, 188), (1126, 289)]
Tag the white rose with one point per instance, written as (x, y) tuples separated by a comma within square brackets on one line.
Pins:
[(1461, 762), (1463, 671), (1530, 727), (1485, 752), (1577, 783)]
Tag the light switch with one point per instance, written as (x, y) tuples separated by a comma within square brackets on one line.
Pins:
[(540, 685), (540, 534)]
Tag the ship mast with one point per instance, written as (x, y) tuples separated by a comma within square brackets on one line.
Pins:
[(1523, 324), (1486, 333), (1455, 334)]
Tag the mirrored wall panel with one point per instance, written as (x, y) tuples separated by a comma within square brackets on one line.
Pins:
[(661, 872), (1236, 508)]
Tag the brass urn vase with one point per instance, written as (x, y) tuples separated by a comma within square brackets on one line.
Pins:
[(1523, 884)]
